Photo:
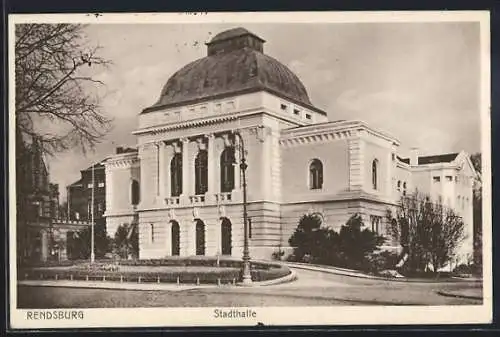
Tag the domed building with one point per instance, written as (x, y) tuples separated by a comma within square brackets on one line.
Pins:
[(184, 186)]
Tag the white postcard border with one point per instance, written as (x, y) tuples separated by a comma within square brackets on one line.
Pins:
[(335, 315)]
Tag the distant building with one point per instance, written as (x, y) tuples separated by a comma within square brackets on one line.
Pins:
[(40, 203), (80, 192), (187, 163), (80, 195)]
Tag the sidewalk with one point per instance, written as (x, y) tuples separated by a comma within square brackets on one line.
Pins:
[(470, 294), (115, 285), (360, 274)]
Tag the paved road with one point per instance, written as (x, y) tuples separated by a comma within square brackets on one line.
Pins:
[(311, 289)]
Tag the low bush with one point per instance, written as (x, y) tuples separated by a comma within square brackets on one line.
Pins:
[(270, 274), (465, 270), (380, 261), (278, 255)]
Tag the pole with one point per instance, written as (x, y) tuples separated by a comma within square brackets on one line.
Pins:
[(247, 275), (92, 255), (68, 189)]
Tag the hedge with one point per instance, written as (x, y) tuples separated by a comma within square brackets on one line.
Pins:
[(200, 261)]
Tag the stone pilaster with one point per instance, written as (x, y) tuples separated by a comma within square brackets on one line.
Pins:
[(356, 164), (168, 237)]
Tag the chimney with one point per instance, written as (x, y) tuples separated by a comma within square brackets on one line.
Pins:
[(414, 156)]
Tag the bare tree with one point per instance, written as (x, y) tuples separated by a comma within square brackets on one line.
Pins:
[(56, 104), (54, 99), (429, 232)]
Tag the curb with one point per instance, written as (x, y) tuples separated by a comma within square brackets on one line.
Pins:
[(285, 279), (358, 274), (146, 286), (344, 272), (449, 294)]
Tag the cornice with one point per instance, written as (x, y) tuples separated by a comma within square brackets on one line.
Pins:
[(122, 161), (330, 131)]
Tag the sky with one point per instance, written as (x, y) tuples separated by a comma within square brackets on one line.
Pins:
[(417, 81)]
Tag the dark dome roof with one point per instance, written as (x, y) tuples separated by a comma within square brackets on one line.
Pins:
[(235, 64), (232, 33)]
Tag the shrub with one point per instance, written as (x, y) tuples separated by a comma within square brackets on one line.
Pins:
[(380, 261), (350, 248), (278, 255), (464, 270)]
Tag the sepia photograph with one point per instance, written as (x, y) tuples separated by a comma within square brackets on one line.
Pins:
[(214, 169)]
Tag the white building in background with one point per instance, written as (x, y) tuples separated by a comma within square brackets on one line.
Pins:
[(186, 166)]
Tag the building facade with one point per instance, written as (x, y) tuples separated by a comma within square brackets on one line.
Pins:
[(80, 195), (188, 154), (42, 235)]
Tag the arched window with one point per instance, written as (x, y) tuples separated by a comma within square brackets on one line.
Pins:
[(315, 174), (201, 172), (176, 175), (134, 192), (200, 237), (227, 170), (175, 237), (374, 173), (226, 236)]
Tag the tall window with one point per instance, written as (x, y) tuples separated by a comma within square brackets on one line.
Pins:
[(376, 222), (374, 173), (404, 188), (152, 231), (316, 174), (176, 248), (227, 170), (176, 175), (201, 172), (200, 237), (134, 192), (399, 185)]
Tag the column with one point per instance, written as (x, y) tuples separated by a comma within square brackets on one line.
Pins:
[(161, 170), (237, 158), (44, 247), (168, 179), (210, 195), (185, 169)]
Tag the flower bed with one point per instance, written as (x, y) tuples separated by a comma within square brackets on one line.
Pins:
[(196, 261), (197, 270)]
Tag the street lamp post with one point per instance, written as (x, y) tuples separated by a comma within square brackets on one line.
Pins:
[(92, 254), (247, 275)]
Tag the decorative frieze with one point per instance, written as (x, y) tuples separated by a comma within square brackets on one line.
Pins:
[(123, 162), (290, 141)]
